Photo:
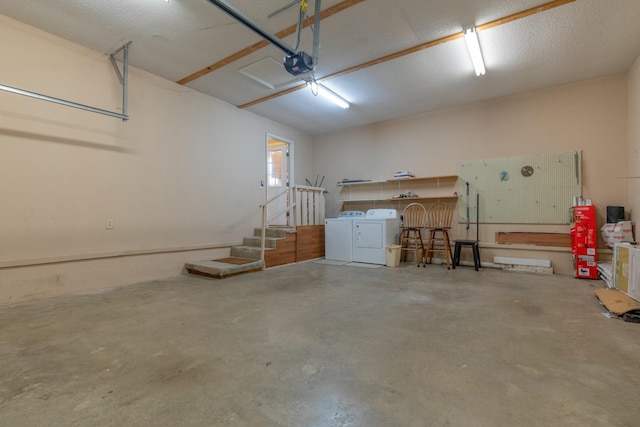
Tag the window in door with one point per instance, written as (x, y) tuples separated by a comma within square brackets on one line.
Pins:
[(274, 168)]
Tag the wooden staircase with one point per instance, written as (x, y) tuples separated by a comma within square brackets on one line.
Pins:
[(283, 245), (280, 246)]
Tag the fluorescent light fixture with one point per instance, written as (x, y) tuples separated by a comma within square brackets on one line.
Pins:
[(319, 89), (471, 37)]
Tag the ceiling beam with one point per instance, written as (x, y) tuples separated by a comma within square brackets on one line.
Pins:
[(414, 49), (345, 4), (523, 14)]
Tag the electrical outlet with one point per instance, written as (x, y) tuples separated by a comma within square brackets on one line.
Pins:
[(108, 224)]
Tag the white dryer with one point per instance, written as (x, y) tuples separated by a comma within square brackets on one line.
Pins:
[(372, 234), (338, 236)]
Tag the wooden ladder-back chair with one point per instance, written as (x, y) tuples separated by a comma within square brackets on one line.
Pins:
[(413, 221), (439, 219)]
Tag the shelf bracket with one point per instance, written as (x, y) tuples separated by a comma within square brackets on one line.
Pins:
[(122, 77)]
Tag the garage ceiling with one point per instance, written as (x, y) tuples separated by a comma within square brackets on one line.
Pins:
[(388, 58)]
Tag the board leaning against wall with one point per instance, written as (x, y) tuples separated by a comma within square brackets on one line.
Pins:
[(536, 189)]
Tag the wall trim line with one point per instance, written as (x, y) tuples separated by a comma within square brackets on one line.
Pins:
[(118, 254)]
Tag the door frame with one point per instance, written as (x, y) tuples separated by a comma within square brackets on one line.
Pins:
[(291, 171)]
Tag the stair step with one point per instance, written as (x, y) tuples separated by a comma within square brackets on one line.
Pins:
[(275, 232), (250, 252), (220, 270), (256, 242)]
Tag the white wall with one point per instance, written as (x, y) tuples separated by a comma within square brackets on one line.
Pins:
[(590, 116), (634, 142), (180, 179)]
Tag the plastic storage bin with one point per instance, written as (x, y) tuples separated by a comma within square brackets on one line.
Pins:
[(393, 255)]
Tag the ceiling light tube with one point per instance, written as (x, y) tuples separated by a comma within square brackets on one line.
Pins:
[(319, 89), (471, 37)]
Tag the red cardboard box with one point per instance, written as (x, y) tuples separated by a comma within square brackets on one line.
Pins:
[(584, 242)]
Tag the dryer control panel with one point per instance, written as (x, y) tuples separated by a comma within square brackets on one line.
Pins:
[(381, 214), (351, 214)]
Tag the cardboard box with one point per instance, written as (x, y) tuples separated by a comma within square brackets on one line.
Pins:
[(620, 232), (584, 242), (618, 304), (626, 264), (633, 281), (621, 265)]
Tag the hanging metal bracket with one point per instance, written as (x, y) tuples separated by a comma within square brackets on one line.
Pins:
[(122, 77)]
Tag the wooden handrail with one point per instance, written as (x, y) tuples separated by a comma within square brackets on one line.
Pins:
[(293, 204), (263, 235), (275, 197)]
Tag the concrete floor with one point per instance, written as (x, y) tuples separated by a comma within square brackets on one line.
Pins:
[(322, 345)]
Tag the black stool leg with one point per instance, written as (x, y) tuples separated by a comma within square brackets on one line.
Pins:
[(474, 249), (476, 256), (456, 254)]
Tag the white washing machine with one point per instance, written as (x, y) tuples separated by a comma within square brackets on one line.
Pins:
[(338, 236), (372, 234)]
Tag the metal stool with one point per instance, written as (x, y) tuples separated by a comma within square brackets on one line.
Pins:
[(474, 247)]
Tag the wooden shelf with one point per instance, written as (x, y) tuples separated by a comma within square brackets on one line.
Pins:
[(384, 190), (350, 184), (425, 178), (399, 180), (416, 199), (401, 199)]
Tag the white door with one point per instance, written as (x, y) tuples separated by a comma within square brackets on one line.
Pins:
[(278, 181)]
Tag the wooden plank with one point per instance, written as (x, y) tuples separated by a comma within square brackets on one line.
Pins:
[(310, 242), (425, 178), (285, 252), (257, 46), (226, 61), (318, 241), (273, 96), (413, 199), (523, 14), (562, 240), (414, 49), (303, 244)]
